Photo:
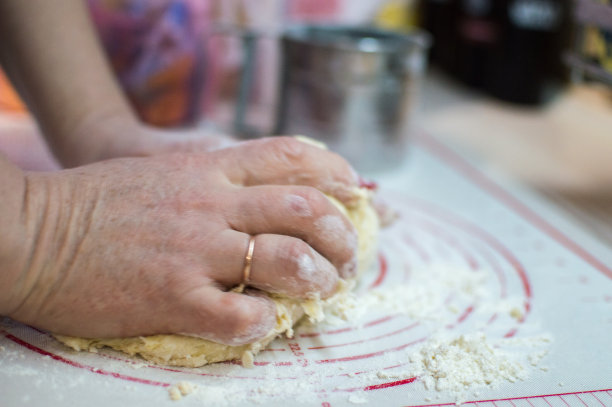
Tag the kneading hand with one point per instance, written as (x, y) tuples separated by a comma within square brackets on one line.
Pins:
[(140, 246)]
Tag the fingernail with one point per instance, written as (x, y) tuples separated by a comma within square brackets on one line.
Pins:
[(367, 184), (310, 141)]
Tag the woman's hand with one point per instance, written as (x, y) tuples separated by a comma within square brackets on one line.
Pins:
[(102, 138), (141, 246)]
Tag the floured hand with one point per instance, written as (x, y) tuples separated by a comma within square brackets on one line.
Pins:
[(141, 246)]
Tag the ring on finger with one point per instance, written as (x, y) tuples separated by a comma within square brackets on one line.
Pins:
[(248, 260)]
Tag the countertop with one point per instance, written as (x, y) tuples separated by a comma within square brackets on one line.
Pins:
[(561, 149)]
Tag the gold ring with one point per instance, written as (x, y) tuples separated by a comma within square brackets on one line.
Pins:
[(248, 259)]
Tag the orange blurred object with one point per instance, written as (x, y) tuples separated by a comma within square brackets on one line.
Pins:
[(165, 96), (10, 102)]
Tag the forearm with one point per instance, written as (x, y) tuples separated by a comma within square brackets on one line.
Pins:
[(51, 53)]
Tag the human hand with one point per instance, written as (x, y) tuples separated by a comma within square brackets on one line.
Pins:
[(106, 137), (141, 246)]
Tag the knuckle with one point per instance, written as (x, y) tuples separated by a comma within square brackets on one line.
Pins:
[(308, 270), (315, 198), (292, 249), (287, 148)]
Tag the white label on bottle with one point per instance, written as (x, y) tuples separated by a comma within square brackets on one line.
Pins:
[(538, 15)]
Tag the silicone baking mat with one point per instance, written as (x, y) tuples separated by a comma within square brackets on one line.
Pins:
[(450, 213)]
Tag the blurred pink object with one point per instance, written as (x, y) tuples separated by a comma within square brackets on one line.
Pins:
[(313, 10), (155, 48)]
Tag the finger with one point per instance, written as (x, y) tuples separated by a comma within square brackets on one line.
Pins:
[(288, 161), (286, 265), (280, 264), (224, 258), (302, 212), (229, 318)]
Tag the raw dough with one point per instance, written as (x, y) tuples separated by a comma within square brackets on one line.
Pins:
[(180, 350)]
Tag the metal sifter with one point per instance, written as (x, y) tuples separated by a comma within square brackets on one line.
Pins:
[(353, 88)]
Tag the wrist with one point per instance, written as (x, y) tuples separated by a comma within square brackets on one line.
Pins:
[(100, 136), (49, 226), (15, 241)]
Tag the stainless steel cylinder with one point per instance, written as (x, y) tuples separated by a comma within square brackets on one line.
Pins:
[(352, 88)]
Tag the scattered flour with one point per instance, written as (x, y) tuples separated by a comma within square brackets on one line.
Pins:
[(460, 363), (450, 362), (422, 299), (457, 364)]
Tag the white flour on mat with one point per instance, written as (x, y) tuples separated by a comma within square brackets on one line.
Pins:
[(450, 363)]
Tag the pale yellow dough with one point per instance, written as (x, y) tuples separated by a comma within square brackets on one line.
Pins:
[(180, 350)]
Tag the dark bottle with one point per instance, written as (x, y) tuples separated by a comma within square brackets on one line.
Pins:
[(439, 17), (478, 32), (527, 65)]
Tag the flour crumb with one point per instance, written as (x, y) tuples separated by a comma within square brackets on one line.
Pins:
[(137, 366), (248, 360), (561, 384), (384, 375), (185, 388), (2, 348), (516, 313), (180, 389), (536, 357), (174, 393), (357, 399)]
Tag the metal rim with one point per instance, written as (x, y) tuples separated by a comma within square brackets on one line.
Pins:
[(357, 38)]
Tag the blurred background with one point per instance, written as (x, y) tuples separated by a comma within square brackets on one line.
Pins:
[(522, 86)]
